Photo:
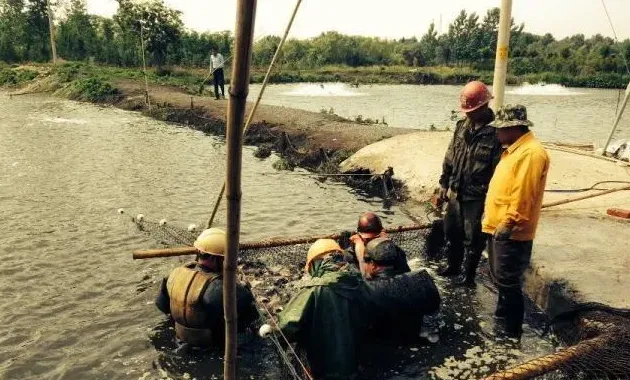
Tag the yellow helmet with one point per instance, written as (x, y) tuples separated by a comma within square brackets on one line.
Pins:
[(319, 249), (211, 242)]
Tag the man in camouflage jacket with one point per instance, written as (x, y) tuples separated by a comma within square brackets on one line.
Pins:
[(469, 163)]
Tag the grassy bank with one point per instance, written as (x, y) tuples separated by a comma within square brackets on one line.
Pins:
[(191, 80)]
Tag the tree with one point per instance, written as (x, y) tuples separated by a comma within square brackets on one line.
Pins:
[(37, 34), (264, 50), (428, 43), (77, 35), (160, 26), (12, 29)]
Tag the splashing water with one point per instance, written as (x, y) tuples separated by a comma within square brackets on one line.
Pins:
[(543, 89), (324, 89)]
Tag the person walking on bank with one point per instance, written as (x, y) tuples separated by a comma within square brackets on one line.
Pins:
[(193, 295), (469, 163), (512, 211), (216, 68)]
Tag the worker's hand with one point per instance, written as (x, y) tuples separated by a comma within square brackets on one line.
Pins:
[(443, 194), (344, 239), (503, 232), (265, 330)]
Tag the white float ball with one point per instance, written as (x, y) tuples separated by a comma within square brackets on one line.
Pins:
[(140, 217), (121, 211), (192, 227), (162, 222)]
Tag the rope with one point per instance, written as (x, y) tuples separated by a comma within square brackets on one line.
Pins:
[(623, 56), (277, 329), (260, 95)]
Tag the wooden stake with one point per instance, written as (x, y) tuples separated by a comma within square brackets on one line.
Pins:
[(239, 88), (51, 27)]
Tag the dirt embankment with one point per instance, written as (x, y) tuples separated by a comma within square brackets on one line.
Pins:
[(307, 131)]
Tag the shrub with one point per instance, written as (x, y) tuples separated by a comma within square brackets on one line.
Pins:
[(93, 89), (15, 77)]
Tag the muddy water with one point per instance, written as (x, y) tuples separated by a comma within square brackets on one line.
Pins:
[(560, 114), (74, 305)]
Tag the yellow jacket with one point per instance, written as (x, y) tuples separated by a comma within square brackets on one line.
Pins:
[(516, 190)]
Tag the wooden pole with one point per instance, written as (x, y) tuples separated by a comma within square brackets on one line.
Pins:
[(239, 88), (618, 118), (51, 27), (569, 200), (269, 243)]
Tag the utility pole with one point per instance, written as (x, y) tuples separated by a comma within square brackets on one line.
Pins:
[(501, 60), (51, 27)]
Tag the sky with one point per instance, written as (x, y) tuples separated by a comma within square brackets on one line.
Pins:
[(395, 18)]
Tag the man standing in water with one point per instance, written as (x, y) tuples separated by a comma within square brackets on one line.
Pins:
[(329, 315), (193, 295), (216, 68), (512, 211), (468, 166)]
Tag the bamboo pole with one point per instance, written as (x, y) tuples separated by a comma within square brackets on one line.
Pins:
[(269, 243), (569, 200), (239, 88), (51, 27), (501, 60), (618, 118), (260, 95)]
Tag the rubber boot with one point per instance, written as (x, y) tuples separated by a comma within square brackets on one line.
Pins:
[(470, 269)]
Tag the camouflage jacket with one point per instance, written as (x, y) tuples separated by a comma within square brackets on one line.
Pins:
[(470, 160)]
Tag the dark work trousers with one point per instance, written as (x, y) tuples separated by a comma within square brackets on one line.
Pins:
[(508, 261), (219, 80), (462, 229)]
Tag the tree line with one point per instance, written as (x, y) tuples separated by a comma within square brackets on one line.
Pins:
[(158, 30)]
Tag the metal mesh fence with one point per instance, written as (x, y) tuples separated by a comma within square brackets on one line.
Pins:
[(596, 338)]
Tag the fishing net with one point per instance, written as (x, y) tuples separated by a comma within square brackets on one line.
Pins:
[(596, 341), (595, 338)]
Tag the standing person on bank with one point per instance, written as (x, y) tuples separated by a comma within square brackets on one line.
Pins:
[(216, 68), (468, 166), (512, 211)]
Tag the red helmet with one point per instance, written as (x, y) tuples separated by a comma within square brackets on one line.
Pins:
[(369, 225), (474, 95)]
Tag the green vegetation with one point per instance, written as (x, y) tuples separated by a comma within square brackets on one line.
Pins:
[(93, 89), (466, 51), (15, 77)]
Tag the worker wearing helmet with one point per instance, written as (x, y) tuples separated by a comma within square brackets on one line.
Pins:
[(469, 163), (193, 295), (369, 228), (328, 314)]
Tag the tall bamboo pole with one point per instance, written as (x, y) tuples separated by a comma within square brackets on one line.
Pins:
[(51, 27), (239, 87), (618, 118), (501, 60)]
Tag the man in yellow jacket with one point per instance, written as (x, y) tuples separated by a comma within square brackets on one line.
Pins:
[(512, 210)]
